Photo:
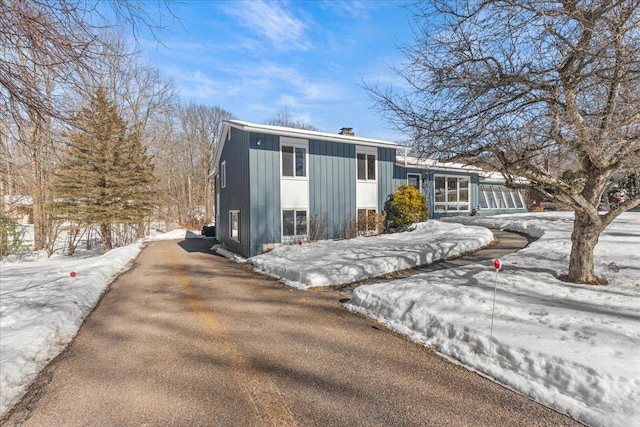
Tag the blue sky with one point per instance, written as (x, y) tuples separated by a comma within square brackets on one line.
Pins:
[(253, 58)]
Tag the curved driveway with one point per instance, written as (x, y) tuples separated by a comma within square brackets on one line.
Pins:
[(187, 338)]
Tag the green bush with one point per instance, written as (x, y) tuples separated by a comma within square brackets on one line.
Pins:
[(407, 206)]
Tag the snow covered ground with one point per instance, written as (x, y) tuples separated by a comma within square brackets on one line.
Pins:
[(328, 263), (42, 307), (574, 348)]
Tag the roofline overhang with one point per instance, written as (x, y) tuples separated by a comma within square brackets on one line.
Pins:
[(294, 133)]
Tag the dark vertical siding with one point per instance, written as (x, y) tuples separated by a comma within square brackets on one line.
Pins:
[(332, 183), (264, 162), (236, 194)]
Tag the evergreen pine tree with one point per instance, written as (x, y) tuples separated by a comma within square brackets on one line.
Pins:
[(105, 176)]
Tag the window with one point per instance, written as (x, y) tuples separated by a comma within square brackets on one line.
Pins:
[(451, 194), (294, 222), (367, 222), (223, 174), (234, 225), (366, 164), (294, 161), (414, 179), (494, 196)]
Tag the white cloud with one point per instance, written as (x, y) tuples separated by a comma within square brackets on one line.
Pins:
[(194, 84), (355, 9), (273, 22), (288, 101)]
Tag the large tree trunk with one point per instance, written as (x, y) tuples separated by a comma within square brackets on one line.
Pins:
[(107, 243), (583, 242)]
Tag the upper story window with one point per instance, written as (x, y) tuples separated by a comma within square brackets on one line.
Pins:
[(223, 174), (366, 164), (294, 158)]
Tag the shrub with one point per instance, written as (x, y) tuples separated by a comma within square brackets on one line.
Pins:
[(317, 226), (407, 206), (11, 237)]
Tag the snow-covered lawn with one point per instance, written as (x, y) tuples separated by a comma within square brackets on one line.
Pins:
[(329, 263), (42, 307), (574, 348)]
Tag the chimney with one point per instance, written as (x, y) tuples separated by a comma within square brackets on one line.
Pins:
[(347, 132)]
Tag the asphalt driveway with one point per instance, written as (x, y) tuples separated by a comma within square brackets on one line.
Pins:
[(190, 338)]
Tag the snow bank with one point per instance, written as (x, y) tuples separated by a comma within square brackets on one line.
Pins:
[(575, 348), (42, 308), (330, 263)]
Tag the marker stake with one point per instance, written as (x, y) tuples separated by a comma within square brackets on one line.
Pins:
[(300, 261), (497, 265)]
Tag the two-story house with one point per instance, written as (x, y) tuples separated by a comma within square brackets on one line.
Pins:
[(270, 180)]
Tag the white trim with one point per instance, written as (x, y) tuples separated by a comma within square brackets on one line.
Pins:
[(367, 232), (446, 192), (483, 192), (308, 134), (295, 143), (296, 236), (223, 174), (367, 151)]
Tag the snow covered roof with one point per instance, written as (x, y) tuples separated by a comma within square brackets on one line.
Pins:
[(434, 164), (431, 164)]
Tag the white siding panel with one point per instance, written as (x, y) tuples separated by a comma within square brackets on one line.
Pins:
[(294, 193), (367, 194)]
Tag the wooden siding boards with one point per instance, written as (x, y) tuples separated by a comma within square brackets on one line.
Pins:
[(387, 181), (264, 163), (332, 183), (236, 194), (253, 180)]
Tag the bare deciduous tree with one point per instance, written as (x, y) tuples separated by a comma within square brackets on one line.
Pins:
[(547, 91), (200, 132), (59, 39), (184, 154), (283, 118)]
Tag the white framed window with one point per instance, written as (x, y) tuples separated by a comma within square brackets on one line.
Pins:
[(234, 225), (294, 222), (367, 221), (223, 174), (415, 179), (496, 196), (366, 163), (293, 158), (451, 193)]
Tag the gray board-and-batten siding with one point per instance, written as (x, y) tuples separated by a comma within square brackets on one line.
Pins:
[(236, 193), (332, 187)]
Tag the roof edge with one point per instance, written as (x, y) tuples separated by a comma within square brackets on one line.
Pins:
[(309, 134)]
